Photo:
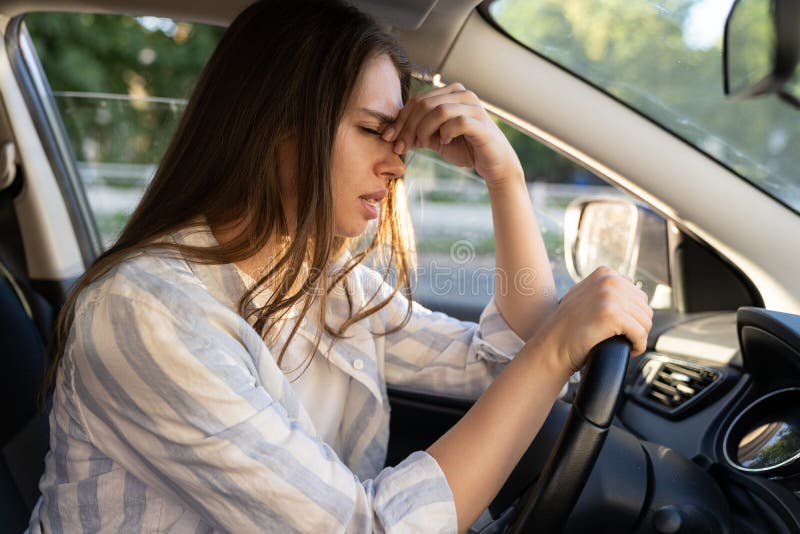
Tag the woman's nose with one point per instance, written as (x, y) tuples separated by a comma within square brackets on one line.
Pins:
[(391, 165)]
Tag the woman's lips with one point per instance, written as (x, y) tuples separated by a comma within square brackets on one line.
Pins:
[(370, 208), (370, 202)]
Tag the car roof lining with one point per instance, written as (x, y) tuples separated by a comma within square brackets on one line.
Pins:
[(427, 28), (406, 14)]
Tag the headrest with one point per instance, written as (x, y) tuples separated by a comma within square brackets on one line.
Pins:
[(8, 165)]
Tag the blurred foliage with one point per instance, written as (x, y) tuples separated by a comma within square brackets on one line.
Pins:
[(142, 58), (664, 58), (542, 164), (93, 60), (122, 55), (111, 225), (103, 129), (784, 445)]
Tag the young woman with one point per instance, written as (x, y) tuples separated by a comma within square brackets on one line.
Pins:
[(224, 365)]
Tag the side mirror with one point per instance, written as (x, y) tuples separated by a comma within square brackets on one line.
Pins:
[(617, 233), (761, 49)]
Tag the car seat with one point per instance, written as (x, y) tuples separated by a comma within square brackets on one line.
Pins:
[(25, 322)]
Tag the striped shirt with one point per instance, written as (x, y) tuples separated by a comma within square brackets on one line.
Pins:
[(170, 412)]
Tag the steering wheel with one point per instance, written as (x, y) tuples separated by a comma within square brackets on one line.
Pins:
[(547, 505)]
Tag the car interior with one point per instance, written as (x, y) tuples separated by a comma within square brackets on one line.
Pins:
[(700, 434)]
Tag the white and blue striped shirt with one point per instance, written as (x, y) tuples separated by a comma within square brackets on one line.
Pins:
[(170, 412)]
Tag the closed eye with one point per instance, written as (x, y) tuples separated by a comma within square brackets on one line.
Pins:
[(371, 131)]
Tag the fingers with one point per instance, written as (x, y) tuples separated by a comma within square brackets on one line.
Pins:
[(409, 106), (404, 131), (642, 314), (639, 322), (636, 334), (459, 125), (631, 314), (445, 122), (603, 305), (435, 109)]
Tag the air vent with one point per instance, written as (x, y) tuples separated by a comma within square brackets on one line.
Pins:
[(671, 386)]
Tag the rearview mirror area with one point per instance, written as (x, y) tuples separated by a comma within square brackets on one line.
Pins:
[(761, 49), (629, 238)]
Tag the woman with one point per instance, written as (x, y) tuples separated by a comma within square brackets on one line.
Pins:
[(224, 365)]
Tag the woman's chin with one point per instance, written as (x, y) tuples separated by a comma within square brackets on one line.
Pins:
[(351, 229)]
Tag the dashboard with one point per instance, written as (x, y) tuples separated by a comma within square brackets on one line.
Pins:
[(705, 438), (723, 391)]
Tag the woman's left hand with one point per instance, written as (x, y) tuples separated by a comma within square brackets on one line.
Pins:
[(453, 122)]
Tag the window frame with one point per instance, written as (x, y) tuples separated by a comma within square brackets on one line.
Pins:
[(38, 97)]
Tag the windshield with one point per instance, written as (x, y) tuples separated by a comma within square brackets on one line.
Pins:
[(664, 59)]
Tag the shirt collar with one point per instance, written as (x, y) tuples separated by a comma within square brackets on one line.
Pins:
[(355, 354), (226, 282)]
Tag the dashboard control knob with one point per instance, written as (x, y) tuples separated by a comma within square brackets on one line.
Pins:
[(667, 520)]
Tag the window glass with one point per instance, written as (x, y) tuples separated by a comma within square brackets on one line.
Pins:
[(664, 59), (120, 85), (453, 222)]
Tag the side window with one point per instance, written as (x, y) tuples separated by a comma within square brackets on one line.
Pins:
[(452, 218), (120, 85)]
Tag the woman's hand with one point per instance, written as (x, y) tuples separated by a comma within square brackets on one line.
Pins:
[(453, 122), (479, 452), (603, 305)]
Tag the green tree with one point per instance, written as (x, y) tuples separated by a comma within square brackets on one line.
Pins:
[(641, 53), (783, 446), (120, 82)]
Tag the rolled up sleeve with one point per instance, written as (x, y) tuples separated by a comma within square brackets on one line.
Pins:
[(173, 397), (495, 340), (436, 353)]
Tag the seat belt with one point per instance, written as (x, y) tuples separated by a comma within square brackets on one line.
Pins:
[(20, 295)]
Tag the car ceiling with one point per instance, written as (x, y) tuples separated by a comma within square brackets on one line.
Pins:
[(427, 28)]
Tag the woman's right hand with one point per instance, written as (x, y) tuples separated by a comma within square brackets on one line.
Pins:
[(603, 305), (478, 453)]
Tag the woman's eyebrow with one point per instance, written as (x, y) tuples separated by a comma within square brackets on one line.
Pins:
[(383, 117)]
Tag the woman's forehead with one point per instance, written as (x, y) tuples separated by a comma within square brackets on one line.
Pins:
[(379, 88)]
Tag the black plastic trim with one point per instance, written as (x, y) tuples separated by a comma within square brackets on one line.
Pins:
[(703, 280), (445, 405), (786, 18), (637, 391), (418, 420), (779, 500)]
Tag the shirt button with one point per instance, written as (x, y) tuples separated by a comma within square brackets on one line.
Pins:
[(358, 364)]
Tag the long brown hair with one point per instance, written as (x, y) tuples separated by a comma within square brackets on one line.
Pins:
[(284, 68)]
